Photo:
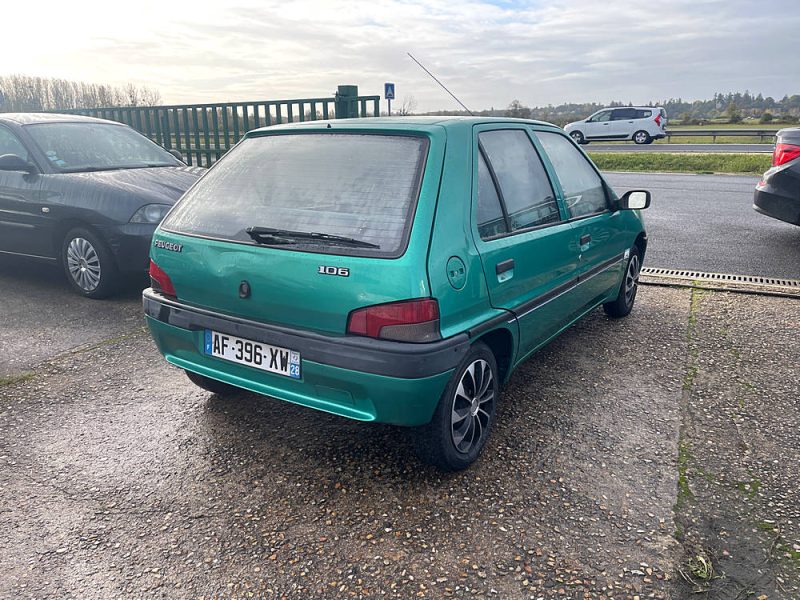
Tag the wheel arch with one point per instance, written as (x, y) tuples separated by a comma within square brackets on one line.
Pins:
[(62, 228), (501, 342), (641, 244)]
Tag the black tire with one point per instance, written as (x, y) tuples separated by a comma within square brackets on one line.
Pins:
[(212, 385), (641, 137), (89, 264), (436, 442), (623, 304), (578, 137)]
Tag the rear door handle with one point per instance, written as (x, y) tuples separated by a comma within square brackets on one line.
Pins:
[(585, 239), (504, 266)]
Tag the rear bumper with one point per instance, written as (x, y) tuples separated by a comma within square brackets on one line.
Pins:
[(359, 378), (777, 206)]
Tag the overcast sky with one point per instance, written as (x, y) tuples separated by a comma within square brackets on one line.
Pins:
[(489, 53)]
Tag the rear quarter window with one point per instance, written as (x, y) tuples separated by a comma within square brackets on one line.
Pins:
[(360, 186)]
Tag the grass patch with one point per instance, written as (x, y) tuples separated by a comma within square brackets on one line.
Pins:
[(749, 488), (110, 341), (701, 567), (16, 378), (707, 139), (687, 162), (699, 571), (684, 456)]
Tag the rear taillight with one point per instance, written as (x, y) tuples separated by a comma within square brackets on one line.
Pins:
[(784, 153), (406, 321), (658, 120), (160, 281)]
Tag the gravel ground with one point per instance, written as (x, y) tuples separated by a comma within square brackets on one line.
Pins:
[(119, 478), (738, 503)]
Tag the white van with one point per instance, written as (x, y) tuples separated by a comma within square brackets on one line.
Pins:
[(642, 124)]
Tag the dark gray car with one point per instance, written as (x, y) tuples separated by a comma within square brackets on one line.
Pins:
[(86, 193), (777, 195)]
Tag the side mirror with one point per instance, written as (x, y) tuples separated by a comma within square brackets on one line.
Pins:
[(176, 154), (12, 162), (635, 200)]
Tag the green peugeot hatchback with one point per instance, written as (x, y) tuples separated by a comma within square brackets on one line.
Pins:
[(392, 270)]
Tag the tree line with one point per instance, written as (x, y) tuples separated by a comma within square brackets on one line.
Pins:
[(24, 93), (732, 107)]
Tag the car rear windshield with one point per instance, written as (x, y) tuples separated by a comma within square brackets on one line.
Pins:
[(358, 186), (91, 146)]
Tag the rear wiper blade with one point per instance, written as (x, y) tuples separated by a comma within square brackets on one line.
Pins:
[(284, 236)]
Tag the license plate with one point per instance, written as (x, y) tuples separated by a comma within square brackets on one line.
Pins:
[(253, 354)]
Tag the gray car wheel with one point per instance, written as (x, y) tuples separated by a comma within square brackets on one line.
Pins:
[(641, 137), (464, 417), (622, 305), (578, 137), (89, 264)]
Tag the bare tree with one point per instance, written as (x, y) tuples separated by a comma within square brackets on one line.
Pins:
[(22, 93), (408, 106), (132, 95), (149, 96)]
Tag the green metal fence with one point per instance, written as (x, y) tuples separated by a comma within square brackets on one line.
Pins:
[(204, 132)]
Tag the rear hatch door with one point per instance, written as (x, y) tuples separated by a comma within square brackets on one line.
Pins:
[(342, 221)]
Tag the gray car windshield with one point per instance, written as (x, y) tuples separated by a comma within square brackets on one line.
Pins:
[(85, 146), (360, 187)]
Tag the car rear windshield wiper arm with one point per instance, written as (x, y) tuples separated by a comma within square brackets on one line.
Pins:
[(285, 236)]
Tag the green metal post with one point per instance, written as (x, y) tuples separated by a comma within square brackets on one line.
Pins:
[(346, 102)]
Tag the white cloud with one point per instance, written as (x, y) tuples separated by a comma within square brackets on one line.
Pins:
[(488, 53)]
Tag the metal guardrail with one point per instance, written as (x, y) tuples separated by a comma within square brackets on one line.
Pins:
[(202, 133), (715, 133)]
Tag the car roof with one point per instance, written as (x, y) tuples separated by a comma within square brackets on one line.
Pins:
[(636, 107), (36, 118), (412, 123)]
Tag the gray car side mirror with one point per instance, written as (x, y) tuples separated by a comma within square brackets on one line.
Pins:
[(12, 162)]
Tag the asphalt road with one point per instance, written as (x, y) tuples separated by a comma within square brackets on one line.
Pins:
[(712, 148), (707, 223)]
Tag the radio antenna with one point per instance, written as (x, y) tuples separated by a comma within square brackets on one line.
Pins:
[(421, 66)]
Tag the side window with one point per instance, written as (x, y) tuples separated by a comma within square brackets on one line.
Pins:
[(583, 189), (624, 114), (643, 114), (601, 117), (491, 220), (10, 144), (525, 191)]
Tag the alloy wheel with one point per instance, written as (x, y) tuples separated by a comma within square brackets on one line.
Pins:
[(631, 279), (83, 264), (472, 406)]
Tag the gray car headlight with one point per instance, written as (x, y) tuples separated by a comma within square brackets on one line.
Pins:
[(150, 213)]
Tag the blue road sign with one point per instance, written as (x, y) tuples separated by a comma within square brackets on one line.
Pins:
[(388, 91)]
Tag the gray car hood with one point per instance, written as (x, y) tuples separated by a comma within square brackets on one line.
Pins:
[(165, 184)]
